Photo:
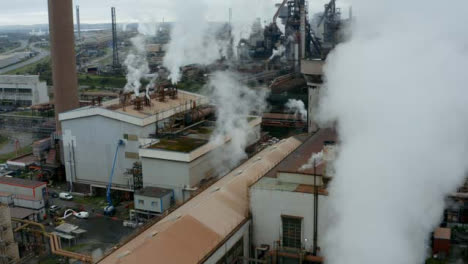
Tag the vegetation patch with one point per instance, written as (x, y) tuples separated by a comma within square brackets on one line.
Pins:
[(183, 144), (11, 155)]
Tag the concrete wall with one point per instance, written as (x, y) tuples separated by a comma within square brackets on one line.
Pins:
[(6, 235), (30, 204), (23, 88), (34, 192), (92, 142), (267, 206), (167, 174), (241, 233)]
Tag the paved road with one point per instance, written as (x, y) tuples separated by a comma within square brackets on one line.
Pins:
[(41, 54), (23, 44)]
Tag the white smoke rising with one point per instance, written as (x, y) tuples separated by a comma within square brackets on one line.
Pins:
[(397, 90), (278, 52), (136, 63), (191, 40), (297, 107), (234, 103), (315, 158)]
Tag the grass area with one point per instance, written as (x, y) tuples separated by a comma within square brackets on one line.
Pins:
[(3, 140), (30, 68), (191, 85), (76, 248), (34, 113), (435, 261), (90, 200), (182, 144), (94, 81), (22, 151)]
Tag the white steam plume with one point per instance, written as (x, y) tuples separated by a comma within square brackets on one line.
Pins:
[(278, 52), (398, 92), (192, 41), (192, 38), (297, 107), (316, 158), (234, 102), (136, 63)]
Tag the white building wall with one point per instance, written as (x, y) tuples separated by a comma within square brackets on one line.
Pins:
[(89, 146), (242, 233), (267, 207), (16, 189), (167, 174), (28, 88)]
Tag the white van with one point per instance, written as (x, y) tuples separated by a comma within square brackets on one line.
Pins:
[(65, 196)]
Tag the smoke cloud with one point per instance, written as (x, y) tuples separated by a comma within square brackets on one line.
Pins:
[(136, 63), (234, 103), (315, 158), (278, 52), (192, 41), (297, 107), (193, 38), (397, 90)]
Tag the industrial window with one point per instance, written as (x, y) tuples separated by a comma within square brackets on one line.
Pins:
[(292, 231), (154, 204), (235, 254), (141, 202)]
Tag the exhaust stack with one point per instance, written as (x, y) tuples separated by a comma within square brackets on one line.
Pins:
[(62, 46)]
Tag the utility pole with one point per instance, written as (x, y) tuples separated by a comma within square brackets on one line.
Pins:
[(315, 210)]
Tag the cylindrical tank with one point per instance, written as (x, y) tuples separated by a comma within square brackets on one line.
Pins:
[(198, 115), (62, 46)]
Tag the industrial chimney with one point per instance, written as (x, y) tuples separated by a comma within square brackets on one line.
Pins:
[(62, 46)]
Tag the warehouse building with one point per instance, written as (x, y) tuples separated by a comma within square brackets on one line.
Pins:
[(182, 163), (27, 194), (97, 130), (22, 90), (213, 227)]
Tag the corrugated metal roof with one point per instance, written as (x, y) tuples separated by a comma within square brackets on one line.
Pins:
[(442, 233), (21, 182), (194, 230), (301, 155)]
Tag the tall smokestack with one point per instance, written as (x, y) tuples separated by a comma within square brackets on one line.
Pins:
[(62, 44), (78, 21)]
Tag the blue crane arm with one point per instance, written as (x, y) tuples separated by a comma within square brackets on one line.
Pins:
[(108, 191)]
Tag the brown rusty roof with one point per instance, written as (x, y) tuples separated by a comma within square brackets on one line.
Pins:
[(442, 233), (21, 182), (194, 230), (301, 155)]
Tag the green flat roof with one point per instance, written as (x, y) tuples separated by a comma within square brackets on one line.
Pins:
[(179, 144)]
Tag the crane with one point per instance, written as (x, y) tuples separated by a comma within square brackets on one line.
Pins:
[(110, 209)]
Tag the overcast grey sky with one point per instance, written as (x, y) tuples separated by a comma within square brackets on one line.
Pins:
[(28, 12)]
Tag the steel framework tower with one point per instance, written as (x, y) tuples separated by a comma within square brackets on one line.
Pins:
[(115, 54)]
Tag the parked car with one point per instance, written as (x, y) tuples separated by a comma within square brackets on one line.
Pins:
[(82, 215), (54, 208), (3, 167), (65, 196)]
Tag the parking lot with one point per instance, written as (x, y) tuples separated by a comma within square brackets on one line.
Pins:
[(103, 232)]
